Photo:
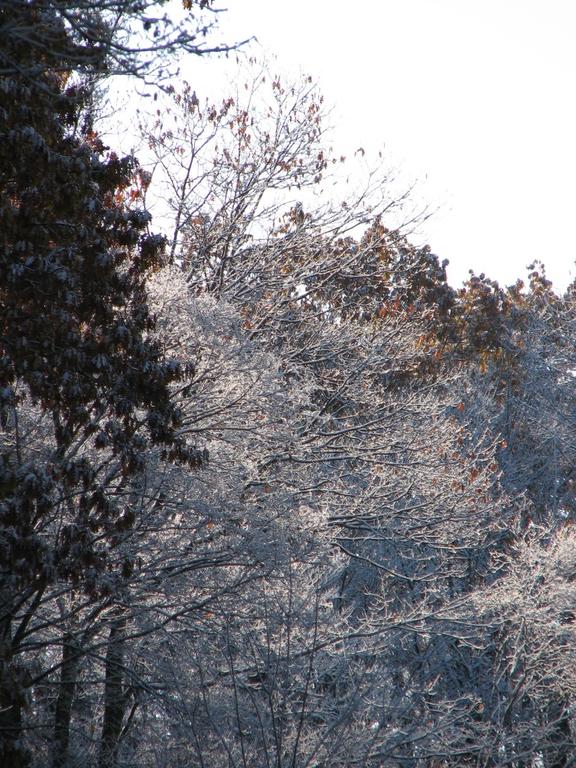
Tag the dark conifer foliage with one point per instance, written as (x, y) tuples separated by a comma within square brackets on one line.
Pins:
[(97, 38), (75, 342)]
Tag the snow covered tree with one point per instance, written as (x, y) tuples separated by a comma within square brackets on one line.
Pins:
[(526, 713), (376, 450), (373, 568)]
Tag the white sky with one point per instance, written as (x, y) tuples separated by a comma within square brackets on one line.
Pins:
[(473, 99)]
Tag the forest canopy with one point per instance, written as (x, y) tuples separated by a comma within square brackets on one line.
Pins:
[(272, 491)]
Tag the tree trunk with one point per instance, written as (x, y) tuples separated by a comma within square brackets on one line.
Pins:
[(12, 694), (63, 713), (114, 698)]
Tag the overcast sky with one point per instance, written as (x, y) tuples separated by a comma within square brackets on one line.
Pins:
[(474, 99)]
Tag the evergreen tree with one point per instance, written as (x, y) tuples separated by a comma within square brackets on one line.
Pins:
[(84, 391)]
